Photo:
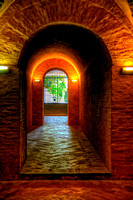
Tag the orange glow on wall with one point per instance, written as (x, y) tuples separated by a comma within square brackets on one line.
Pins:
[(36, 112), (128, 63), (43, 56)]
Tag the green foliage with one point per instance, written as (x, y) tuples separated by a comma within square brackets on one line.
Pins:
[(56, 85), (66, 96)]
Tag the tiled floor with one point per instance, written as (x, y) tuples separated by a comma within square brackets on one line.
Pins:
[(57, 148)]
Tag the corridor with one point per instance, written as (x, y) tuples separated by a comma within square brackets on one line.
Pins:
[(56, 148)]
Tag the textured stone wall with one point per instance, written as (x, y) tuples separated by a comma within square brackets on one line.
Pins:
[(96, 109), (37, 103), (28, 102), (9, 124), (52, 109), (38, 91), (23, 128), (122, 124)]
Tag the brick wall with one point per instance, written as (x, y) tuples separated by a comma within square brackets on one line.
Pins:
[(96, 108), (73, 104), (23, 128), (53, 109), (37, 103), (122, 124), (29, 103), (9, 124)]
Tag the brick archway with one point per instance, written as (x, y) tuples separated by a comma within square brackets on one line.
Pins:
[(90, 59), (37, 114)]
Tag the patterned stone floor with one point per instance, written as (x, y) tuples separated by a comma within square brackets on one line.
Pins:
[(67, 190), (56, 148)]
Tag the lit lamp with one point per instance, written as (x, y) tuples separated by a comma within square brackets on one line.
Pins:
[(4, 69), (127, 70), (37, 80), (74, 80)]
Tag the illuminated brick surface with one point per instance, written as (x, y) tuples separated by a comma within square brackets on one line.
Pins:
[(106, 18)]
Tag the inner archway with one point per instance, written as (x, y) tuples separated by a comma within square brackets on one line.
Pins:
[(55, 93), (38, 106)]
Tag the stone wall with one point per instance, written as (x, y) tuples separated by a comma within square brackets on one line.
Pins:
[(37, 103), (54, 109), (122, 124), (96, 108), (9, 124), (23, 128)]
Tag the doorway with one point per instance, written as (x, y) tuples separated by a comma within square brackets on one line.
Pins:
[(65, 102), (55, 93), (89, 89)]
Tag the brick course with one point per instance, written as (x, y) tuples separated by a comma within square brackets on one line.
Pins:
[(9, 124)]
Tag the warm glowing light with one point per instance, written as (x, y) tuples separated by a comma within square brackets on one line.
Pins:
[(74, 80), (127, 70), (47, 56), (4, 69), (37, 80), (128, 63)]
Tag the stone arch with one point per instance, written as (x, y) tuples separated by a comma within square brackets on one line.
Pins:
[(56, 68), (87, 51), (69, 37)]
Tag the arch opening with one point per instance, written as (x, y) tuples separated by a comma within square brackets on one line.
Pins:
[(85, 50), (39, 107), (55, 93), (55, 87)]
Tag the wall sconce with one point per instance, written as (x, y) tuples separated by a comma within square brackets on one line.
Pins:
[(127, 70), (74, 80), (4, 69), (37, 80)]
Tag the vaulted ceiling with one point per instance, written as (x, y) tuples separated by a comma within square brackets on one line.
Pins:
[(109, 19)]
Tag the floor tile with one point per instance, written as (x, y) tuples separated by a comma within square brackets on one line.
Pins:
[(56, 148)]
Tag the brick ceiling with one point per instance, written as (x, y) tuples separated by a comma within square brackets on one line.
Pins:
[(21, 19)]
